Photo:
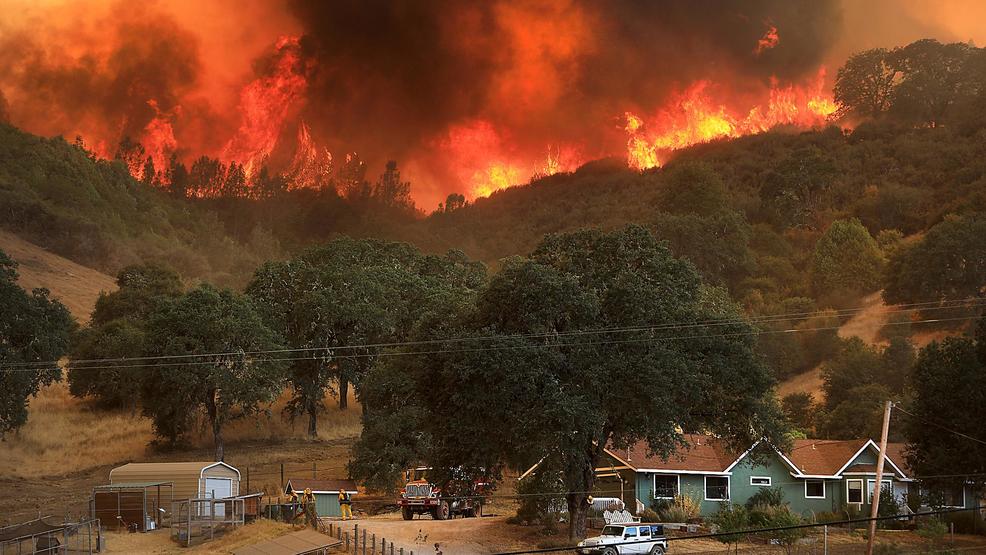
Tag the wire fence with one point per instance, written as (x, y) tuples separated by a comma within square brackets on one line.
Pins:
[(936, 532)]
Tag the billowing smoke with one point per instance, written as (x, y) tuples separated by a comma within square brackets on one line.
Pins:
[(403, 79), (467, 96)]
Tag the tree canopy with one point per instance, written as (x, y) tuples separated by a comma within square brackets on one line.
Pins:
[(34, 329), (354, 292), (239, 380), (558, 388)]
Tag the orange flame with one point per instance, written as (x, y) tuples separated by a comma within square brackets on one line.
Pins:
[(694, 117), (769, 39), (264, 106), (159, 142)]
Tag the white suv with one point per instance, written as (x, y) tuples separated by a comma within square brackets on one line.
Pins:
[(619, 539)]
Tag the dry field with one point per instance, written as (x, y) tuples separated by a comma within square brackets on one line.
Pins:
[(76, 286)]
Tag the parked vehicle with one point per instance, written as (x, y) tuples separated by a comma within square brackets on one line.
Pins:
[(455, 496), (620, 539)]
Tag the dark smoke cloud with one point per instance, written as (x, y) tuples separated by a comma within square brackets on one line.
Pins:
[(392, 74), (103, 91)]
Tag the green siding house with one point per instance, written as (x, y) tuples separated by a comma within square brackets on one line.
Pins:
[(326, 493), (816, 475)]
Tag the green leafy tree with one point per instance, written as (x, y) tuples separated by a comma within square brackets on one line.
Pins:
[(730, 518), (718, 244), (34, 329), (858, 414), (855, 364), (948, 264), (117, 329), (534, 366), (864, 85), (846, 259), (793, 190), (221, 386), (934, 78), (353, 292), (693, 188), (800, 409), (949, 389)]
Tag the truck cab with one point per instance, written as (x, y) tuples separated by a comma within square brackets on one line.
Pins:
[(631, 538), (455, 496)]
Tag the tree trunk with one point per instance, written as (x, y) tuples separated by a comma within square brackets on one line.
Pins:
[(212, 407), (343, 393), (578, 506), (313, 421)]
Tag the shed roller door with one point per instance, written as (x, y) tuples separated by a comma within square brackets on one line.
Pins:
[(219, 488)]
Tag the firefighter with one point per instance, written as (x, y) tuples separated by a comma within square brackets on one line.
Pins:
[(345, 504)]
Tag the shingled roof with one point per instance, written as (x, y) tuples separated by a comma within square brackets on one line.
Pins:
[(706, 454), (703, 454)]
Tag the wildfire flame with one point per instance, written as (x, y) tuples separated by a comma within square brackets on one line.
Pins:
[(265, 104), (769, 39), (312, 165), (695, 117)]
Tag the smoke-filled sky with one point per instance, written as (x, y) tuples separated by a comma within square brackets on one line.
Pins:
[(457, 92)]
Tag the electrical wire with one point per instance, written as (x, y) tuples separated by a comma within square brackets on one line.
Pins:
[(244, 358), (960, 304), (947, 429)]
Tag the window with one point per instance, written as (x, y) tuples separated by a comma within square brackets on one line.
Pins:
[(814, 489), (760, 480), (665, 486), (645, 531), (946, 496), (630, 532), (854, 491), (716, 488), (887, 485)]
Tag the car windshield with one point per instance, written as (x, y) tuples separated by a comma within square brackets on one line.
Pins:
[(613, 531)]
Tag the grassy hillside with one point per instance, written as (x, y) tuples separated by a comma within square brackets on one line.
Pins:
[(74, 285)]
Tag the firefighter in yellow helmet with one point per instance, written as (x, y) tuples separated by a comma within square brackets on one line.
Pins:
[(345, 504)]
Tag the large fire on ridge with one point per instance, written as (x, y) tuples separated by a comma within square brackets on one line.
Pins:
[(469, 98)]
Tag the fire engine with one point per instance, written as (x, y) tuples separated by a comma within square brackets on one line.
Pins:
[(455, 496)]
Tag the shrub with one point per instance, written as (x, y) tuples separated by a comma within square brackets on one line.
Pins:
[(932, 529), (681, 509), (649, 515), (777, 517), (770, 497), (730, 518), (538, 505)]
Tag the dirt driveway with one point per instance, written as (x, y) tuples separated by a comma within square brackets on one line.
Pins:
[(458, 536)]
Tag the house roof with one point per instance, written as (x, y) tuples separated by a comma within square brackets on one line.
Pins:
[(823, 457), (895, 451), (703, 454), (809, 457), (184, 466), (327, 486)]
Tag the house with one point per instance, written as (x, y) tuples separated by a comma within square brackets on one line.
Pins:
[(815, 475), (326, 493), (189, 480)]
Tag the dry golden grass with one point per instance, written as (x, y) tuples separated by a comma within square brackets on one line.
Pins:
[(160, 542), (74, 285), (64, 435)]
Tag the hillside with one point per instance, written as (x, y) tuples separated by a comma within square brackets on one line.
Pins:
[(59, 196), (76, 286)]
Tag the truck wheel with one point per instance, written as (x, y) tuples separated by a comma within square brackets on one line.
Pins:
[(657, 550), (609, 551), (407, 513), (442, 512)]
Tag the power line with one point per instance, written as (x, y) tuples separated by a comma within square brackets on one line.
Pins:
[(245, 358), (968, 303), (935, 424)]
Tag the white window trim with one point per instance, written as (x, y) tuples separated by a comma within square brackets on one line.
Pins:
[(870, 488), (815, 496), (862, 491), (767, 485), (705, 488), (677, 487)]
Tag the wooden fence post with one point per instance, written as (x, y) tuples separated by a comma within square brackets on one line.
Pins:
[(347, 540)]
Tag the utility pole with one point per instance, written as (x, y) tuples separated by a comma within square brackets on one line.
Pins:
[(878, 486)]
